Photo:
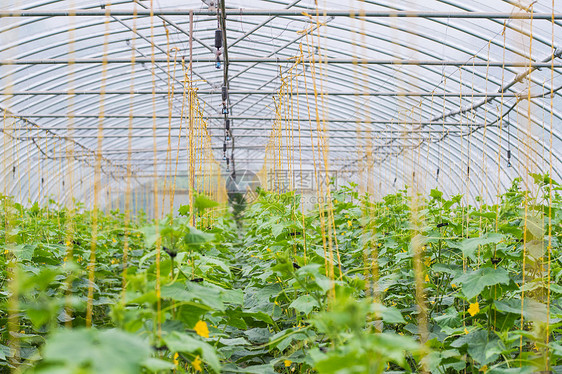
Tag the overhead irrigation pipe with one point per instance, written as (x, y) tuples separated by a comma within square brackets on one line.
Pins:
[(501, 91), (275, 12), (245, 118), (276, 60), (267, 93), (518, 78), (177, 27), (49, 134), (145, 150), (373, 136), (350, 130), (226, 108)]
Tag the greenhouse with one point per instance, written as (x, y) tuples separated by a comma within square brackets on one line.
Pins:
[(281, 186)]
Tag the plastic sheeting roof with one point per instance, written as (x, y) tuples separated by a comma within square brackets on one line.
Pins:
[(489, 53)]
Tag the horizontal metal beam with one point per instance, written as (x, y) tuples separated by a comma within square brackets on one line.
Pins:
[(273, 12), (375, 136), (161, 128), (355, 61), (157, 150), (184, 158), (261, 93), (23, 116), (344, 148)]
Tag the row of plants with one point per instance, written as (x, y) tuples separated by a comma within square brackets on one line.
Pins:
[(404, 284)]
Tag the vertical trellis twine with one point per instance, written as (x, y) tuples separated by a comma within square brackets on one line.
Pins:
[(156, 210), (69, 224), (97, 174), (128, 188), (550, 185)]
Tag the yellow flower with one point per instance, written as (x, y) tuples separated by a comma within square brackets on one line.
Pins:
[(427, 278), (197, 363), (114, 241), (484, 368), (201, 329), (287, 363), (269, 249), (336, 201), (453, 285), (68, 243), (176, 361), (349, 223), (473, 309), (465, 331), (347, 216), (6, 251)]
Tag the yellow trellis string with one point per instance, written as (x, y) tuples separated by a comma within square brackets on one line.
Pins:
[(97, 176)]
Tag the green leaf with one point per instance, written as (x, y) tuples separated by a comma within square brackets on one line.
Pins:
[(180, 342), (197, 237), (150, 235), (260, 316), (532, 310), (23, 252), (285, 338), (517, 370), (103, 351), (206, 260), (156, 364), (483, 347), (202, 202), (474, 282), (536, 248), (449, 319), (234, 341), (4, 352), (304, 304), (277, 229), (388, 314), (469, 246), (184, 210), (392, 346), (490, 215), (535, 225), (436, 194), (452, 269)]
